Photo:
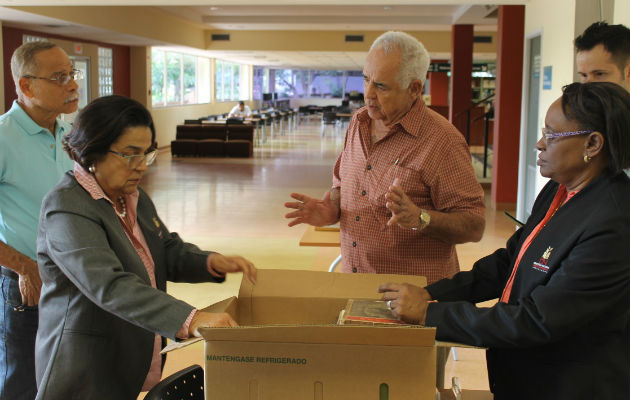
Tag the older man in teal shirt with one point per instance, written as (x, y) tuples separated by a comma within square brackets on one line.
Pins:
[(32, 160)]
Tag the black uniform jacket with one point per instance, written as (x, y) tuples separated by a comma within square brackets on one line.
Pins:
[(565, 332)]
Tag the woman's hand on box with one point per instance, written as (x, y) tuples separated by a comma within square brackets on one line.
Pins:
[(209, 320), (229, 264)]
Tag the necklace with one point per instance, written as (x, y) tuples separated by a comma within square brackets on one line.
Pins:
[(123, 205)]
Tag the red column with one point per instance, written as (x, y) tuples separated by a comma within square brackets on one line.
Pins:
[(507, 113), (461, 74), (438, 89)]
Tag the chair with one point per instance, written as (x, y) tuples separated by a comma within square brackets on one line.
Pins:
[(185, 384), (329, 118), (234, 121)]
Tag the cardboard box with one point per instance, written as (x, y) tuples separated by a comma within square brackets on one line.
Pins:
[(288, 347)]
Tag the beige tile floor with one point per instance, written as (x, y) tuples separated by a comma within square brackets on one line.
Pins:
[(235, 206)]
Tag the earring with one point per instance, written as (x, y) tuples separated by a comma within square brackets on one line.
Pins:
[(587, 159), (92, 169)]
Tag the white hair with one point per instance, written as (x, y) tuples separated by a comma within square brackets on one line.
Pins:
[(414, 58), (23, 61)]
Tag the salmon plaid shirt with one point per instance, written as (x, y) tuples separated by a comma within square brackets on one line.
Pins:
[(432, 160)]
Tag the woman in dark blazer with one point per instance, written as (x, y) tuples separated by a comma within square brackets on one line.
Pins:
[(104, 256), (561, 327)]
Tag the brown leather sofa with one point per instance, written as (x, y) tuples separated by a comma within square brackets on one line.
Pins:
[(240, 140), (213, 140)]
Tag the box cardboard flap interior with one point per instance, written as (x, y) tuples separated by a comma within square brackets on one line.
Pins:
[(307, 297), (316, 334), (228, 305)]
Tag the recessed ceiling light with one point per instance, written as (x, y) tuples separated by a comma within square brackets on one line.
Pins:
[(216, 8), (387, 8)]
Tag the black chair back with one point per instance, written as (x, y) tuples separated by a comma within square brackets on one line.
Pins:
[(329, 117), (185, 384), (234, 121)]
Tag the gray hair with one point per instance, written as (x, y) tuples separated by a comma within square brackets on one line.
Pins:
[(414, 59), (23, 60)]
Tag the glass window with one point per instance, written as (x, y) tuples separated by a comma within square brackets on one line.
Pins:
[(173, 78), (105, 72), (190, 79), (32, 38), (229, 81), (158, 77), (354, 82), (218, 84), (178, 79), (308, 83)]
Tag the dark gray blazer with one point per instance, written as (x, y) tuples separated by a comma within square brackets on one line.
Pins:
[(98, 312)]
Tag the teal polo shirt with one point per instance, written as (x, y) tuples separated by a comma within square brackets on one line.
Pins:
[(31, 162)]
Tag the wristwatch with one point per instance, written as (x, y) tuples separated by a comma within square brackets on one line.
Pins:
[(424, 218)]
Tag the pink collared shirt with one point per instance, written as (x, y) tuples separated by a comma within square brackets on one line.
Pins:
[(137, 239)]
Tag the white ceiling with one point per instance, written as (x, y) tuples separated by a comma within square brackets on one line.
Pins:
[(342, 15)]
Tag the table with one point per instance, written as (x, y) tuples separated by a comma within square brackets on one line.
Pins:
[(322, 238)]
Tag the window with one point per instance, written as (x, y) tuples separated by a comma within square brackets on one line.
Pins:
[(178, 78), (173, 78), (32, 38), (190, 79), (158, 74), (308, 83), (105, 72), (231, 81)]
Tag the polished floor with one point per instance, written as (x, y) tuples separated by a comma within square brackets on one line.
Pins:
[(235, 206)]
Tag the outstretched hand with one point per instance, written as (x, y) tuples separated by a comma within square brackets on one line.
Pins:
[(312, 211), (229, 264), (404, 212)]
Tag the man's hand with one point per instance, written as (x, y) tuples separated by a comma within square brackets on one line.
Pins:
[(404, 212), (229, 264), (408, 302), (312, 211), (30, 284), (209, 320)]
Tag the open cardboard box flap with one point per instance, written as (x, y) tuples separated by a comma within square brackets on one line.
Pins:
[(287, 306)]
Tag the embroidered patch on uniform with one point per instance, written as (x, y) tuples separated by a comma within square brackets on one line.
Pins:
[(541, 265), (157, 225)]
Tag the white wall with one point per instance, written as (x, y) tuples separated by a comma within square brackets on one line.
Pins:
[(622, 12), (556, 21)]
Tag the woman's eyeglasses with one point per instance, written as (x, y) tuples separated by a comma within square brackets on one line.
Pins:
[(61, 79), (134, 161), (550, 136)]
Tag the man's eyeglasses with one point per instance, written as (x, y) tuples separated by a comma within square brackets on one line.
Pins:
[(134, 161), (61, 79), (550, 136)]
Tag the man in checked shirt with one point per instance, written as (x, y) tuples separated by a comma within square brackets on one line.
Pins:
[(404, 189)]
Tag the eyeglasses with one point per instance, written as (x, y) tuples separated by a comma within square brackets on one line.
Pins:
[(134, 161), (61, 79), (550, 136)]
